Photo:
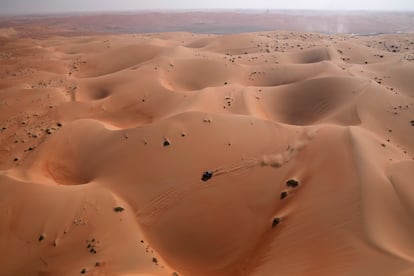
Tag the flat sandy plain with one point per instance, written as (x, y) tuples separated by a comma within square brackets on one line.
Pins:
[(104, 139)]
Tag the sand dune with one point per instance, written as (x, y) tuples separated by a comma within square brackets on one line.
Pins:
[(104, 140)]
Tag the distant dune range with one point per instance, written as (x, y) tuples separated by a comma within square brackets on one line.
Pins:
[(212, 21), (304, 142)]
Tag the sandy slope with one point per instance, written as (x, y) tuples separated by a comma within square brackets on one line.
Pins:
[(89, 124)]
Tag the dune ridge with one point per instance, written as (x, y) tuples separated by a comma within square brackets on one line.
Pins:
[(104, 140)]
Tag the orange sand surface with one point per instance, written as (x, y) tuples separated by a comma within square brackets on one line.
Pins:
[(104, 140)]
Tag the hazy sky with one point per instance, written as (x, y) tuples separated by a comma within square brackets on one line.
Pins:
[(40, 6)]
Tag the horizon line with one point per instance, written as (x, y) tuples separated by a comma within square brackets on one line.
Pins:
[(171, 10)]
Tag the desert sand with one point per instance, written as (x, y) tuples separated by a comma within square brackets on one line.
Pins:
[(305, 142)]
